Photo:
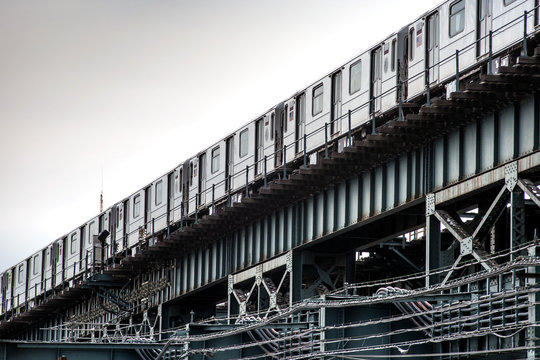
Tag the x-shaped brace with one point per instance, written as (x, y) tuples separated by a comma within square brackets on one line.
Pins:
[(470, 243)]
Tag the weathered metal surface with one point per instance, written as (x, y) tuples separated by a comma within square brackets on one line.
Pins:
[(487, 178)]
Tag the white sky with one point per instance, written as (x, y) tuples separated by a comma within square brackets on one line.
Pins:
[(136, 87)]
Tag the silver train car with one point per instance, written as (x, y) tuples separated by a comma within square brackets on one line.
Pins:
[(348, 99)]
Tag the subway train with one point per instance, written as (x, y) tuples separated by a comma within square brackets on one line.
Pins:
[(464, 37)]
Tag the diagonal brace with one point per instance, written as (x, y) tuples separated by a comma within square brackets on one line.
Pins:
[(530, 189)]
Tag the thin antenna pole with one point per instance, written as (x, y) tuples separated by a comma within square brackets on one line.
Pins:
[(101, 195)]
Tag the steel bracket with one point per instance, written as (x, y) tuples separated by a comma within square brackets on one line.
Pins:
[(430, 204), (466, 246), (511, 175)]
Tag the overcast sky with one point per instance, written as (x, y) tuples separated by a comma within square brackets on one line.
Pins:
[(135, 87)]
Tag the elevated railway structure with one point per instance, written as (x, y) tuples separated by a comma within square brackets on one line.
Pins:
[(417, 238)]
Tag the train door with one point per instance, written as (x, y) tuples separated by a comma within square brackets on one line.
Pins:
[(202, 179), (403, 63), (120, 226), (4, 281), (126, 225), (53, 262), (376, 80), (107, 226), (82, 243), (278, 135), (484, 11), (148, 208), (192, 185), (335, 123), (259, 147), (178, 193), (100, 229), (27, 282), (432, 48), (171, 183), (8, 290), (229, 163), (185, 178), (45, 268), (300, 123), (58, 262)]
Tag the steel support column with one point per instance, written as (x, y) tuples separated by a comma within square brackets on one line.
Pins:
[(433, 241), (517, 220), (296, 276), (533, 332)]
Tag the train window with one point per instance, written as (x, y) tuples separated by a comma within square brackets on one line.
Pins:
[(393, 56), (158, 195), (272, 119), (180, 183), (243, 150), (136, 206), (20, 276), (73, 247), (284, 116), (411, 43), (457, 17), (215, 160), (508, 2), (190, 174), (317, 100), (35, 265), (91, 232), (83, 236), (355, 77), (291, 115)]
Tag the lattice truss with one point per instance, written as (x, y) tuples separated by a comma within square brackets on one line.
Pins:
[(264, 295), (499, 311), (470, 237), (114, 331)]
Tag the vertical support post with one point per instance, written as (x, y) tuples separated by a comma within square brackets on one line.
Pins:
[(153, 230), (457, 70), (525, 33), (213, 198), (350, 267), (229, 191), (490, 56), (247, 181), (533, 332), (284, 162), (182, 216), (305, 153), (295, 276), (373, 125), (197, 208), (428, 93), (517, 220), (265, 179), (433, 241), (326, 140), (103, 249), (168, 221), (349, 133), (536, 125), (400, 101)]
